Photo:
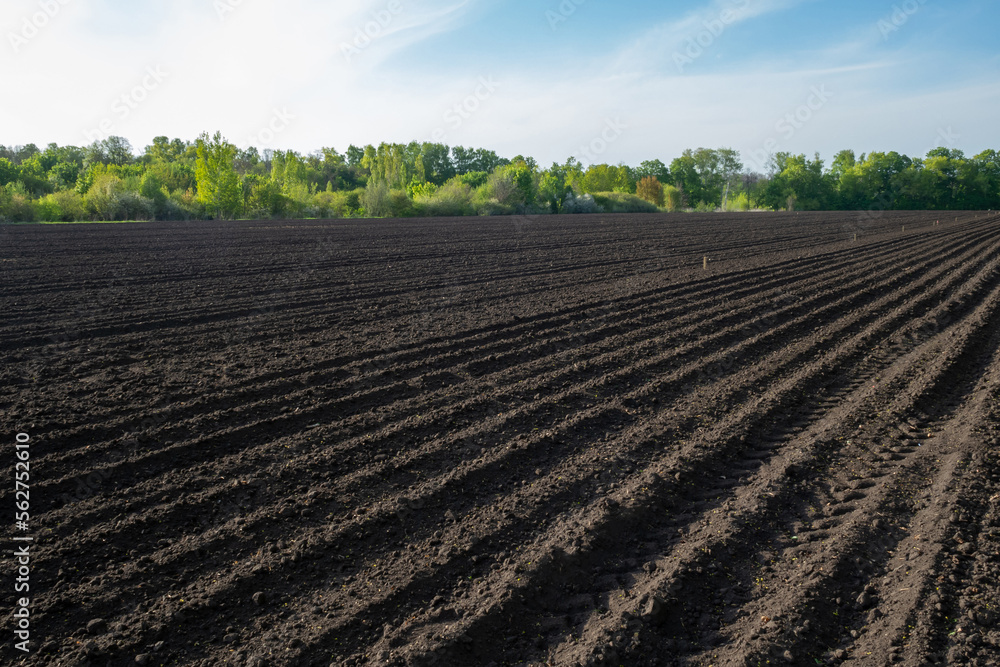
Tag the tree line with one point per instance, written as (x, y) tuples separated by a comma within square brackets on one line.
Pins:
[(210, 177)]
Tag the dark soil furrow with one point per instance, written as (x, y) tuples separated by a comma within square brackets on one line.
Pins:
[(158, 519), (185, 431), (519, 441)]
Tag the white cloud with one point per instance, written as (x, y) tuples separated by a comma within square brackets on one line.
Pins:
[(229, 65), (265, 66)]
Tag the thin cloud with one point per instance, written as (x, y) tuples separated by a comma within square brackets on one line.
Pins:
[(370, 37), (673, 42)]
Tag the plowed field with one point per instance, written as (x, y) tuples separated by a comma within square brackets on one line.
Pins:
[(560, 440)]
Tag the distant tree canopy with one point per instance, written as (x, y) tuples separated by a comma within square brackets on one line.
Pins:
[(210, 177)]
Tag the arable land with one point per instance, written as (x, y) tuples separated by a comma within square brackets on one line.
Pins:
[(726, 440)]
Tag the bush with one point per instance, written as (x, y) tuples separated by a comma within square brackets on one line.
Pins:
[(324, 204), (16, 207), (183, 205), (172, 210), (452, 198), (61, 206), (262, 197), (376, 199), (338, 204), (511, 186), (109, 200), (581, 204), (102, 197), (152, 188), (673, 199), (739, 202), (650, 189), (417, 189), (348, 203), (133, 206), (622, 202), (400, 204), (493, 207), (502, 188)]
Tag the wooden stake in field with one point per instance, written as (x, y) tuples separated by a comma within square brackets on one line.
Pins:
[(704, 263)]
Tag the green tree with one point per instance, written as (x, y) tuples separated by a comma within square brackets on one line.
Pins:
[(728, 166), (553, 187), (843, 162), (654, 168), (261, 196), (463, 159), (354, 156), (103, 197), (115, 150), (219, 188), (9, 172), (800, 184), (684, 173), (164, 149), (152, 188), (437, 163), (607, 178), (877, 173), (985, 168), (25, 152), (705, 175)]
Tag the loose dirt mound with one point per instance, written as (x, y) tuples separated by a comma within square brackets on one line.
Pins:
[(509, 442)]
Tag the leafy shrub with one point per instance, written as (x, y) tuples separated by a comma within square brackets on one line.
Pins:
[(133, 206), (153, 189), (323, 204), (493, 207), (102, 196), (376, 199), (501, 188), (739, 202), (15, 206), (417, 189), (452, 198), (341, 203), (581, 204), (262, 197), (511, 186), (623, 202), (650, 189), (673, 199), (400, 204), (183, 205), (61, 206), (553, 189)]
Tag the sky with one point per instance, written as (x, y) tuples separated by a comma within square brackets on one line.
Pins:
[(600, 81)]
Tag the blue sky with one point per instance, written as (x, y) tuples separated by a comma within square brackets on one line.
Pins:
[(601, 81)]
